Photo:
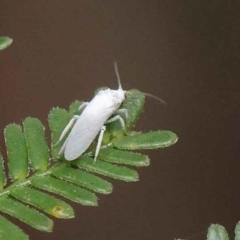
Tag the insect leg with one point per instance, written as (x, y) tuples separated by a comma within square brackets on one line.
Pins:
[(66, 129), (124, 111), (63, 147), (82, 106), (117, 117), (103, 128)]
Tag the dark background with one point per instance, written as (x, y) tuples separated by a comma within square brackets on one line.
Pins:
[(186, 52)]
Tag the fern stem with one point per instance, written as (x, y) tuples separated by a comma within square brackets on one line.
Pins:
[(25, 182)]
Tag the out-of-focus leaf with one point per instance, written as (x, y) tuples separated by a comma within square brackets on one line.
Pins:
[(5, 42), (237, 231), (217, 232)]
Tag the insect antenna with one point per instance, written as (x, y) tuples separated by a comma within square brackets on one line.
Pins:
[(120, 85), (155, 97), (118, 76)]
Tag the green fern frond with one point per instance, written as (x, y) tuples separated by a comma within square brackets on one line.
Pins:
[(37, 171)]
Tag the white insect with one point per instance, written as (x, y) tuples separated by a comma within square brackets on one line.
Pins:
[(95, 115)]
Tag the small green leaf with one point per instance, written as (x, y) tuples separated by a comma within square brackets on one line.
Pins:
[(43, 201), (83, 178), (65, 189), (133, 103), (25, 214), (17, 152), (5, 42), (2, 174), (150, 140), (9, 231), (123, 157), (73, 109), (38, 152), (58, 119), (217, 232), (237, 231), (107, 169)]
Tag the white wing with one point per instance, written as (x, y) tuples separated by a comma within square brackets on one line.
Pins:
[(89, 124), (81, 137)]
